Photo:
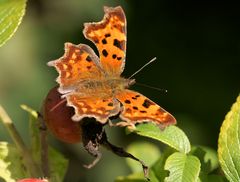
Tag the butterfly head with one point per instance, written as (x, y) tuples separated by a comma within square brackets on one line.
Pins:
[(130, 82), (122, 83)]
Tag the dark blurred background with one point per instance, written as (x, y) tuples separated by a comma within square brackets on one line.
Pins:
[(197, 44)]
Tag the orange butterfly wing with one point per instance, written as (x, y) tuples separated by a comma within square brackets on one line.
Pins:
[(78, 63), (100, 109), (109, 36), (138, 109)]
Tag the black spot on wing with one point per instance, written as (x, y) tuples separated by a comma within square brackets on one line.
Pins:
[(107, 35), (127, 101), (104, 52), (104, 41), (88, 59), (119, 44), (147, 103), (135, 108), (114, 56), (119, 58)]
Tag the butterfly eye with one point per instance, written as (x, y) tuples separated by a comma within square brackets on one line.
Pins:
[(129, 83)]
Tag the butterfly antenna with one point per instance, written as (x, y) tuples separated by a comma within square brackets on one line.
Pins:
[(152, 60), (58, 104), (148, 86)]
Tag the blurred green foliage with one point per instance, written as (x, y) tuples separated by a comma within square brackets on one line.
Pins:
[(196, 43)]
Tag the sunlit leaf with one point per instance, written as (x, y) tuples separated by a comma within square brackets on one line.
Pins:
[(11, 164), (229, 143), (11, 13), (172, 136), (182, 168)]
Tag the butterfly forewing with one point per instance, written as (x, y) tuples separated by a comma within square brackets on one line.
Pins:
[(78, 63), (109, 36)]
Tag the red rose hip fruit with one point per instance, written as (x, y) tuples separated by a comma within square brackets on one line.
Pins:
[(57, 117)]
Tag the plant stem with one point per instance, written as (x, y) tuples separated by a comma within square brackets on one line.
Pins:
[(44, 146), (23, 150)]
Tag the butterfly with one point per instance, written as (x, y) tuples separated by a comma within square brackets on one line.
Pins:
[(93, 85)]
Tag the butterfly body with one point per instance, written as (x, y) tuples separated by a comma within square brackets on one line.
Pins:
[(107, 86), (102, 88), (93, 85)]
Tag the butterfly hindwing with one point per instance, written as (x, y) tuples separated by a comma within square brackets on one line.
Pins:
[(101, 109), (137, 109), (109, 36)]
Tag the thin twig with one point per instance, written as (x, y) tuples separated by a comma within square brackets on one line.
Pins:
[(44, 147), (23, 150)]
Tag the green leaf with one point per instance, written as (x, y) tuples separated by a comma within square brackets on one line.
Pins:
[(182, 167), (158, 167), (144, 151), (11, 13), (229, 143), (171, 135), (58, 165), (211, 178), (32, 112), (207, 156), (34, 132), (11, 164), (216, 178), (136, 177)]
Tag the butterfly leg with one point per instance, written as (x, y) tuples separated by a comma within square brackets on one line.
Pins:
[(122, 153), (94, 151)]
